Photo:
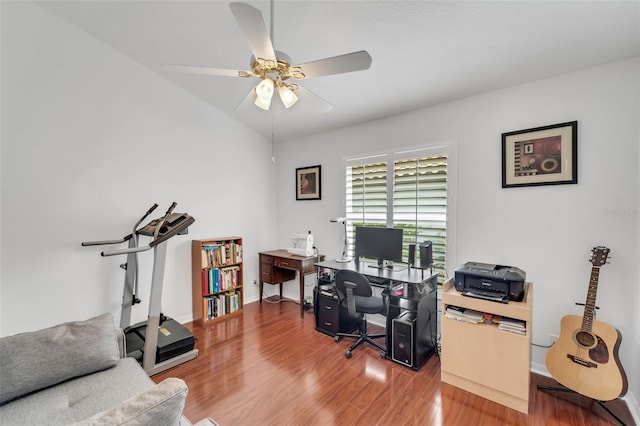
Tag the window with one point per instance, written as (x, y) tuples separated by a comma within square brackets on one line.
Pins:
[(405, 190)]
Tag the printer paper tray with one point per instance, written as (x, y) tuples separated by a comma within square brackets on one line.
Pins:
[(487, 295)]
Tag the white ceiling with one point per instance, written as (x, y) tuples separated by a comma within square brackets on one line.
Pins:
[(424, 52)]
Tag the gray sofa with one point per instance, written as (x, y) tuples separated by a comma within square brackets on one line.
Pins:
[(76, 373)]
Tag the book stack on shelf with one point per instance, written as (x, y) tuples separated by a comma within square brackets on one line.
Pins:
[(222, 304), (510, 324), (328, 290), (217, 278), (464, 314), (221, 254)]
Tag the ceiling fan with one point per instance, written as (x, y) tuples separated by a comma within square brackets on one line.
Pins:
[(275, 69)]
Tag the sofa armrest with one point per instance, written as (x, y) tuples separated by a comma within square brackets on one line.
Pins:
[(122, 343), (159, 406)]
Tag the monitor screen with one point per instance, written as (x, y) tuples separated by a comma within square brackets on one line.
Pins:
[(379, 243)]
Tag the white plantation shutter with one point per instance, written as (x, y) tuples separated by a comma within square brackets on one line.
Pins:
[(407, 191), (420, 204)]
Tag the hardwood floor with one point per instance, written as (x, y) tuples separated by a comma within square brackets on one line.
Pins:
[(267, 366)]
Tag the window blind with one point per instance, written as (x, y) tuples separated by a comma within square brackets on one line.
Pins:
[(407, 193), (420, 204)]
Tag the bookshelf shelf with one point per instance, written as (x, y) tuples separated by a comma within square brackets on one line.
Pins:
[(483, 359), (216, 273)]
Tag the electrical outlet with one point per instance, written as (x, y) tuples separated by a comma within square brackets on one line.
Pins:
[(552, 339), (255, 282)]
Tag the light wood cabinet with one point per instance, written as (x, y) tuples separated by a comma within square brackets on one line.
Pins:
[(482, 359)]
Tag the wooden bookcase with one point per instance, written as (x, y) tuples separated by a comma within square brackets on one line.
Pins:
[(482, 359), (216, 271)]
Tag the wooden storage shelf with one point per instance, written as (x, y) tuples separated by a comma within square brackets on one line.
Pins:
[(485, 360), (216, 272)]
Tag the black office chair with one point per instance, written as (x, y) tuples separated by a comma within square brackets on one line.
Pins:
[(355, 293)]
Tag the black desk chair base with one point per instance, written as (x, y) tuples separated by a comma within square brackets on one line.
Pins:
[(362, 337)]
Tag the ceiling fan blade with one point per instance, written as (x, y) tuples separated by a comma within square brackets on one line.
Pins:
[(189, 69), (312, 101), (247, 102), (252, 24), (356, 61)]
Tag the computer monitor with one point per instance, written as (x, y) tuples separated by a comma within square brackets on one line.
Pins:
[(378, 243)]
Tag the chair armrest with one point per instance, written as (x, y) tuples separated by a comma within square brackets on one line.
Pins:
[(351, 300)]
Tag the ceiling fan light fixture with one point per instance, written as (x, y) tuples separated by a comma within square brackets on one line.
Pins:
[(264, 90), (287, 96), (263, 103)]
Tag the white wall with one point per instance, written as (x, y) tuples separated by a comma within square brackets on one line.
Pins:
[(90, 140), (547, 231)]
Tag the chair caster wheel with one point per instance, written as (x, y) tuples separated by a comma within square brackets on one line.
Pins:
[(347, 354), (336, 338)]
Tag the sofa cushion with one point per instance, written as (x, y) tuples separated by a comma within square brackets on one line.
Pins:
[(39, 359), (78, 399), (159, 406)]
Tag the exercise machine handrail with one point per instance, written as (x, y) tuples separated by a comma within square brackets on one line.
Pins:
[(126, 237)]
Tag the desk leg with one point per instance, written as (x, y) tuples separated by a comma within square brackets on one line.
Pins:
[(301, 274), (260, 290)]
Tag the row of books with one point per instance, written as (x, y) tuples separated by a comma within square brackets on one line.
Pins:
[(464, 314), (222, 304), (510, 324), (215, 255), (328, 290), (475, 317), (215, 280)]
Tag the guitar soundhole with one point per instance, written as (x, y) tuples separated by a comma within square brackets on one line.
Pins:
[(584, 339)]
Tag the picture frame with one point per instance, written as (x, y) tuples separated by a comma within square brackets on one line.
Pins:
[(308, 183), (545, 155)]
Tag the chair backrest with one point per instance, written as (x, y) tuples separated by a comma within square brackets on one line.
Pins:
[(345, 279)]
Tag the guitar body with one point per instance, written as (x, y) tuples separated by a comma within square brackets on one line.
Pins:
[(587, 361)]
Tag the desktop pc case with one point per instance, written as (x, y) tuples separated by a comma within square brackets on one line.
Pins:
[(414, 330), (403, 329)]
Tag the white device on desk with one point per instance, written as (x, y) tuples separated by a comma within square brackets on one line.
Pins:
[(302, 244)]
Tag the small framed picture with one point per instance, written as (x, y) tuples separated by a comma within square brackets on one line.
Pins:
[(308, 183), (540, 156)]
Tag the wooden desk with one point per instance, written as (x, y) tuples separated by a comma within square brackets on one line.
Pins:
[(278, 266)]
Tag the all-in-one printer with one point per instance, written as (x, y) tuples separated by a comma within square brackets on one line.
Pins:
[(492, 282)]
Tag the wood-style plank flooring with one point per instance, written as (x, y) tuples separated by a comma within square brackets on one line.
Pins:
[(267, 366)]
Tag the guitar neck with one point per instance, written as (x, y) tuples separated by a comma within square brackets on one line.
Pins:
[(590, 304)]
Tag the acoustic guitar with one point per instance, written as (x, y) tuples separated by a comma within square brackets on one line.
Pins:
[(585, 356)]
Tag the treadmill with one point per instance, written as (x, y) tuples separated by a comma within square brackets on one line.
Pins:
[(160, 342)]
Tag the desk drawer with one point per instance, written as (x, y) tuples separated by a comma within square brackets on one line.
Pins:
[(328, 314), (286, 263)]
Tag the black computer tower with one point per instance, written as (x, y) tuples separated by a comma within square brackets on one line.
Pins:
[(403, 338), (414, 326)]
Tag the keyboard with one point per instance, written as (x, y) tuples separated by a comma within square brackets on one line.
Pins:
[(378, 281)]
